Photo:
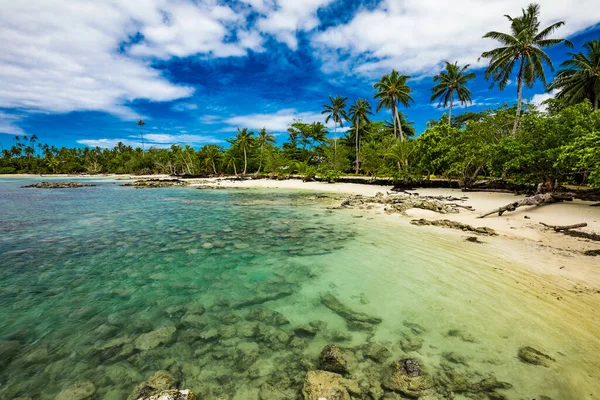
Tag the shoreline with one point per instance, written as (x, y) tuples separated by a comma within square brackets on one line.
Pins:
[(521, 237)]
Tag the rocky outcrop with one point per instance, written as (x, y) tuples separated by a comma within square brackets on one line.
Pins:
[(320, 385), (450, 382), (445, 223), (530, 355), (402, 203), (348, 314), (58, 185), (334, 359), (407, 377), (160, 381), (157, 183), (82, 390), (151, 340)]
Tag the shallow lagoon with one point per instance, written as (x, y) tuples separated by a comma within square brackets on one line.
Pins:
[(92, 279)]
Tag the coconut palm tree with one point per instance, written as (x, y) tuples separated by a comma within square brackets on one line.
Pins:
[(391, 91), (523, 46), (210, 153), (141, 124), (336, 111), (263, 138), (359, 114), (244, 140), (230, 158), (579, 77), (451, 82)]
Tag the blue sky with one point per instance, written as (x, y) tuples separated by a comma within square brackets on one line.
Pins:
[(79, 74)]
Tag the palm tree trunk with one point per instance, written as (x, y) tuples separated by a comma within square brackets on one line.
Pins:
[(214, 167), (400, 127), (450, 111), (261, 157), (234, 169), (394, 118), (245, 162), (519, 96), (334, 144), (142, 135), (595, 102), (356, 149)]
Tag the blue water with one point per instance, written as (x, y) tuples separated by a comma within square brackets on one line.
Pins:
[(83, 269)]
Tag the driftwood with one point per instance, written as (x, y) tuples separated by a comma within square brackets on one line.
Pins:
[(536, 200), (559, 228), (595, 205), (483, 230)]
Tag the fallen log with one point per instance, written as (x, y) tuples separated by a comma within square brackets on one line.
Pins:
[(536, 200), (559, 228), (595, 205)]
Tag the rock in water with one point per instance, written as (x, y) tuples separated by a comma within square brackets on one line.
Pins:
[(151, 340), (159, 382), (320, 385), (376, 352), (172, 394), (260, 299), (406, 376), (58, 185), (83, 390), (532, 356), (336, 306), (334, 359), (8, 350)]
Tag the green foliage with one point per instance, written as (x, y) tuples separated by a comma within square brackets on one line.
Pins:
[(331, 176)]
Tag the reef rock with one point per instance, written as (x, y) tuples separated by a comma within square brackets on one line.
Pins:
[(407, 377), (445, 223), (260, 299), (530, 355), (348, 314), (82, 390), (334, 359), (320, 385), (151, 340), (58, 185), (172, 395), (410, 343), (159, 382), (8, 350), (376, 352)]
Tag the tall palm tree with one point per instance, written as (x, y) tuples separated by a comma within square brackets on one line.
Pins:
[(523, 46), (579, 77), (391, 91), (336, 111), (210, 154), (451, 82), (244, 140), (263, 138), (141, 124), (230, 158), (359, 114)]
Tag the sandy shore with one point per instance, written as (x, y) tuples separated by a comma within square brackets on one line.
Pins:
[(521, 236)]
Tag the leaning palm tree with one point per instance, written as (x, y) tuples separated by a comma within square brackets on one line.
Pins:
[(336, 111), (141, 124), (264, 137), (391, 91), (579, 78), (359, 114), (211, 154), (244, 140), (451, 82), (523, 46), (230, 158)]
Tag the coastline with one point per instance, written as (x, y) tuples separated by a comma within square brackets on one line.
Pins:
[(521, 237)]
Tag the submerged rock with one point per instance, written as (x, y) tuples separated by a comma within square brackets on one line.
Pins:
[(450, 382), (8, 350), (410, 343), (406, 376), (305, 331), (320, 385), (414, 328), (334, 359), (261, 299), (376, 352), (530, 355), (151, 340), (82, 390), (160, 381), (348, 314)]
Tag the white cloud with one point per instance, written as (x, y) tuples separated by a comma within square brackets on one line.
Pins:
[(152, 140), (539, 98), (276, 122), (69, 55), (415, 36), (8, 124), (181, 107), (284, 18)]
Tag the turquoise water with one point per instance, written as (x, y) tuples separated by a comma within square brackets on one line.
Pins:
[(90, 277)]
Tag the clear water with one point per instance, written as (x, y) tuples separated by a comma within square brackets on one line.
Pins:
[(80, 268)]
